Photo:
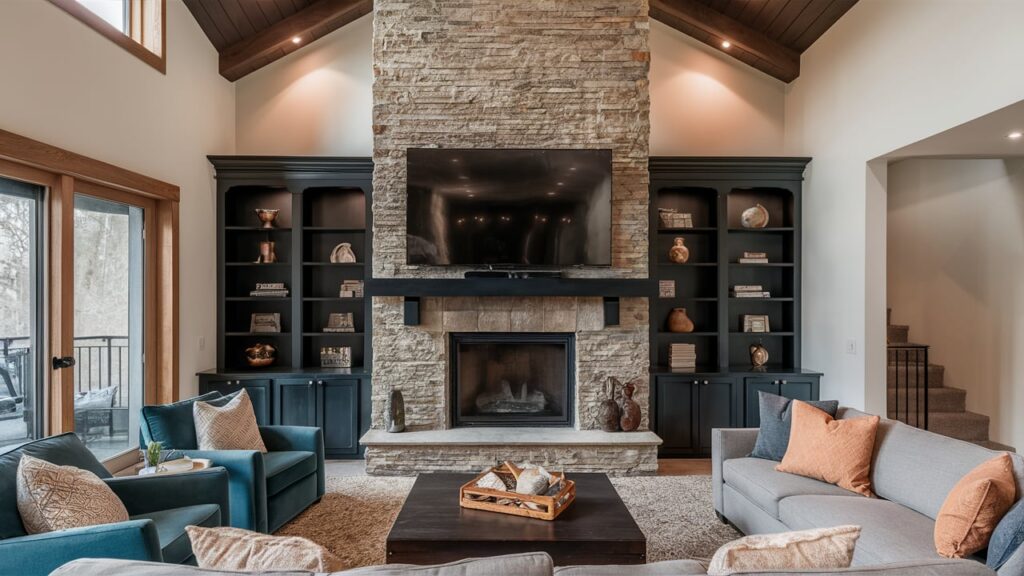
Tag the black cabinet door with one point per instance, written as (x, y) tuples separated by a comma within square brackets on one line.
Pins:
[(799, 388), (674, 420), (716, 408), (258, 391), (296, 402), (339, 416)]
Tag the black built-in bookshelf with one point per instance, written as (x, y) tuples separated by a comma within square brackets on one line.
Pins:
[(722, 390)]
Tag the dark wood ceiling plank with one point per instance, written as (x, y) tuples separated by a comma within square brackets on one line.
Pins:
[(768, 14), (269, 9), (816, 29), (748, 45), (752, 11), (237, 59), (222, 21), (786, 18), (206, 23), (734, 8), (257, 19), (285, 7), (241, 22), (808, 16)]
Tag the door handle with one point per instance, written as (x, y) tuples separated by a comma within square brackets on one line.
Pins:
[(63, 362)]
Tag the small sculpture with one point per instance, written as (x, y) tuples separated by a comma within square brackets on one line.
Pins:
[(396, 412), (267, 254), (343, 254), (630, 420), (679, 322), (678, 253), (754, 217), (758, 355), (260, 355), (267, 216), (608, 412)]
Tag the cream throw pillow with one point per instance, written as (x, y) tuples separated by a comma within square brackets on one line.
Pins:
[(52, 497), (237, 549), (820, 549), (229, 427)]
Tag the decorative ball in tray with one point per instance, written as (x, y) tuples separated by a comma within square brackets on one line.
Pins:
[(529, 491)]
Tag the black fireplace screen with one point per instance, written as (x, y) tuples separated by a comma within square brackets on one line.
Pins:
[(521, 379)]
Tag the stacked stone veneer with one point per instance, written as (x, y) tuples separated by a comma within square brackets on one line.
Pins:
[(507, 74)]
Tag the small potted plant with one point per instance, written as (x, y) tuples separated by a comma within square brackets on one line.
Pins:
[(152, 457)]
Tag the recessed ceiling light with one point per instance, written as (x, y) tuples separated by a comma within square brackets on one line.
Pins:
[(296, 40), (1015, 135), (551, 193), (561, 183), (726, 44)]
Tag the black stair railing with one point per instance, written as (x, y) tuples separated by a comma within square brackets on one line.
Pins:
[(908, 378)]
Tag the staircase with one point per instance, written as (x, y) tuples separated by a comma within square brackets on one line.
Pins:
[(947, 408)]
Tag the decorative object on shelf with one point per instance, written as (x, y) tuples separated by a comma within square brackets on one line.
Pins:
[(340, 322), (396, 411), (151, 456), (336, 357), (671, 218), (678, 253), (682, 357), (260, 355), (749, 291), (267, 254), (666, 288), (270, 290), (265, 322), (608, 413), (630, 419), (754, 217), (499, 489), (343, 254), (757, 323), (267, 216), (351, 289), (754, 258), (679, 322), (758, 355)]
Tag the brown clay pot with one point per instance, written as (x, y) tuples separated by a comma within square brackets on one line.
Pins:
[(678, 253), (679, 322), (630, 420), (608, 413)]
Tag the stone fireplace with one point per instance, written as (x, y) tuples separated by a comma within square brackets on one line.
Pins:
[(562, 74), (509, 379)]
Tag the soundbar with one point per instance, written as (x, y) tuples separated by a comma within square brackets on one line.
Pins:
[(519, 274)]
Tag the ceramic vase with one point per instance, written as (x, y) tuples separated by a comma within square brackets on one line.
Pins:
[(267, 216), (630, 419), (396, 411), (678, 253), (679, 322), (608, 412)]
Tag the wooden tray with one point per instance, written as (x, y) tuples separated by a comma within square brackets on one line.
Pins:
[(544, 507)]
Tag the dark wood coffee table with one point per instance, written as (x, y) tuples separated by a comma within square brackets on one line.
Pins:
[(433, 529)]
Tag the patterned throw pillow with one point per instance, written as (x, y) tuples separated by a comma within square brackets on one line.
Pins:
[(974, 507), (229, 427), (52, 497), (242, 550), (819, 549)]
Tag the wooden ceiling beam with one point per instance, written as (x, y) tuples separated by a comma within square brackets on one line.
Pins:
[(316, 20), (712, 27)]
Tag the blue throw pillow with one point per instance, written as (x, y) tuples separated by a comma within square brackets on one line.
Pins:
[(1008, 536), (776, 421), (172, 424)]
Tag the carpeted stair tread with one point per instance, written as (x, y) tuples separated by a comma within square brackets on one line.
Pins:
[(940, 399), (898, 334), (995, 446), (969, 426), (911, 375)]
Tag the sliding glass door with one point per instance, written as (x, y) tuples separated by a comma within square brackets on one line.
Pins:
[(21, 312)]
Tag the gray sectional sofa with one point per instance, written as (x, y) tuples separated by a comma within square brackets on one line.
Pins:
[(912, 472)]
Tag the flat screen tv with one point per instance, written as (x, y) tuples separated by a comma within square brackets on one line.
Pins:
[(509, 208)]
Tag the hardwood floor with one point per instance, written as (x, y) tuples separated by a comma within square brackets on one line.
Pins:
[(684, 467)]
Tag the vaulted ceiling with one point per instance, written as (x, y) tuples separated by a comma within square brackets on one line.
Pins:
[(768, 35)]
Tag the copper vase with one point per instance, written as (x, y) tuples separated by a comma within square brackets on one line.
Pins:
[(608, 412), (630, 419), (679, 253), (679, 322)]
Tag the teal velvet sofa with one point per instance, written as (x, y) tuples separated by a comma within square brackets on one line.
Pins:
[(159, 507), (267, 490)]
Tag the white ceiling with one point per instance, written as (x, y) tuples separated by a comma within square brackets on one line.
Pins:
[(983, 137)]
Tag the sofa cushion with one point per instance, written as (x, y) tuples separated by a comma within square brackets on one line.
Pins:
[(776, 421), (814, 549), (52, 497), (286, 468), (889, 532), (172, 425), (170, 528), (663, 568), (226, 548), (904, 469), (758, 480)]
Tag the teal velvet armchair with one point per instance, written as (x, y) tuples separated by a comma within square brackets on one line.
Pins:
[(159, 507), (267, 490)]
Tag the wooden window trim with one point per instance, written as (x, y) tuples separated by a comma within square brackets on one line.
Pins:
[(147, 39), (65, 173)]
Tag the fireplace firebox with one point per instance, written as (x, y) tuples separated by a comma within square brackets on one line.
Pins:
[(512, 379)]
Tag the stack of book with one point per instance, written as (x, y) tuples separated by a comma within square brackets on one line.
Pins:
[(351, 289), (682, 357), (754, 258), (270, 290), (670, 218), (750, 291)]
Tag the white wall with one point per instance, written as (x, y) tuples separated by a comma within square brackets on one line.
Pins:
[(889, 73), (955, 244), (318, 100), (67, 86)]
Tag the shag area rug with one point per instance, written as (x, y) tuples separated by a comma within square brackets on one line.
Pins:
[(353, 518)]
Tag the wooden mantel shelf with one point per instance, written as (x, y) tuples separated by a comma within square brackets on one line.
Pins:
[(581, 287)]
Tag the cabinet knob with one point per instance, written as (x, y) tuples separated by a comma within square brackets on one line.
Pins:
[(777, 382), (696, 382), (705, 382)]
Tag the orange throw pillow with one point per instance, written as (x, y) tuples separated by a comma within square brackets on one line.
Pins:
[(974, 507), (835, 451)]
